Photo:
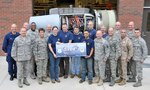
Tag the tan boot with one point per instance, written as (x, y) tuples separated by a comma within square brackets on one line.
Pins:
[(123, 82), (119, 80), (45, 79), (96, 80), (100, 83)]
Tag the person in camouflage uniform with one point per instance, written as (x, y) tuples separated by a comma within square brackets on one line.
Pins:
[(118, 35), (41, 56), (21, 52), (126, 54), (140, 53), (115, 53), (48, 32), (101, 54), (32, 34), (130, 34)]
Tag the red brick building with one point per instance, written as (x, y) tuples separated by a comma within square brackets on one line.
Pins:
[(19, 11)]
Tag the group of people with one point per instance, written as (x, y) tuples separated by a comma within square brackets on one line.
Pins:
[(111, 53)]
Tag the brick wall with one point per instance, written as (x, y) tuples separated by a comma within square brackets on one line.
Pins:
[(13, 11), (130, 10)]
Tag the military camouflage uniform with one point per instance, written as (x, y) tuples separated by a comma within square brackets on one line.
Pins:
[(118, 36), (115, 53), (41, 56), (130, 34), (32, 35), (126, 54), (140, 52), (101, 54), (21, 52)]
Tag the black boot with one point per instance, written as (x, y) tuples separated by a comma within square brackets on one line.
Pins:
[(11, 78), (107, 79), (133, 79), (15, 76)]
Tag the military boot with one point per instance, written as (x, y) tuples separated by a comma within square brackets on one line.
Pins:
[(33, 76), (123, 82), (138, 84), (96, 80), (26, 82), (107, 79), (45, 79), (133, 79), (20, 84), (118, 80), (112, 82), (40, 81), (100, 83)]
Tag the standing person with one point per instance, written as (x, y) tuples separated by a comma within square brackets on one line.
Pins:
[(87, 61), (91, 30), (54, 60), (48, 32), (118, 36), (21, 53), (92, 35), (107, 70), (102, 51), (41, 56), (126, 54), (65, 37), (104, 32), (115, 53), (117, 30), (130, 34), (7, 46), (26, 25), (32, 34), (140, 53), (75, 62)]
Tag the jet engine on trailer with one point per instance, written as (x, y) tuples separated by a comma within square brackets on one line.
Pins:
[(76, 17)]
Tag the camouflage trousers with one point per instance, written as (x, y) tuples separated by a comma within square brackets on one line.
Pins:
[(42, 68), (113, 66), (22, 69), (107, 69), (123, 68), (137, 69), (100, 68), (32, 65)]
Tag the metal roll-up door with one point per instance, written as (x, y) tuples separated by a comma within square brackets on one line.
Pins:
[(112, 18)]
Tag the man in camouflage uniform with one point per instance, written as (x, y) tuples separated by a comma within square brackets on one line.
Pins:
[(130, 34), (117, 30), (48, 32), (32, 34), (21, 52), (101, 54), (115, 53), (118, 35), (140, 52), (41, 56), (126, 54)]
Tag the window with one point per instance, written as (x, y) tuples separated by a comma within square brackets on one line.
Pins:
[(148, 22)]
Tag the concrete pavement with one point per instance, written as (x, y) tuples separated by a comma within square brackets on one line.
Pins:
[(68, 84)]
